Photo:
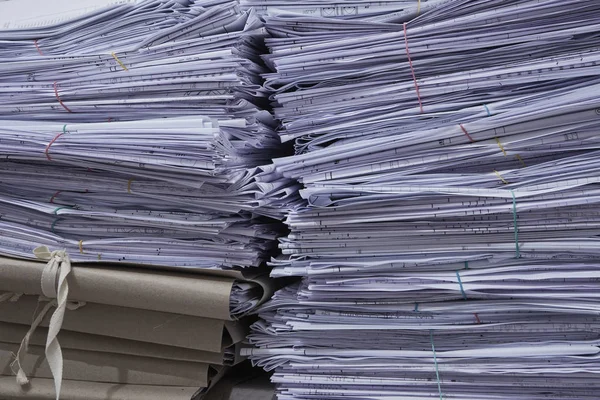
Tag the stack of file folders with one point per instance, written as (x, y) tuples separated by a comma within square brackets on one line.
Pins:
[(137, 333), (132, 140), (449, 242)]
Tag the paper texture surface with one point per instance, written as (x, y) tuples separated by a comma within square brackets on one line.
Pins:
[(43, 389), (128, 323), (29, 13), (108, 367)]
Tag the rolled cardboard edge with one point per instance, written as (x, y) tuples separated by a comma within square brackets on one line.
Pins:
[(14, 333), (155, 290), (177, 330), (95, 366), (203, 293), (43, 389)]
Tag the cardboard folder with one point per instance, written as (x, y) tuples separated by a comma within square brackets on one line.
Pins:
[(81, 365), (205, 334), (14, 333), (43, 389)]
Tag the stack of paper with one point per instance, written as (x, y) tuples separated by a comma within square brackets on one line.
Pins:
[(449, 244), (132, 135), (176, 191)]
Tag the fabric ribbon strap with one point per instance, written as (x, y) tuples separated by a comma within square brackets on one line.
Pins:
[(11, 297), (54, 286)]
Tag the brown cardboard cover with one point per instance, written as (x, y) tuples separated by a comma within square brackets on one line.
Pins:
[(237, 330), (14, 333), (43, 389), (127, 323), (107, 367), (172, 292), (256, 275)]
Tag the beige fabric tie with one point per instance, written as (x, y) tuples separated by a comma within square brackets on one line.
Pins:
[(9, 296), (55, 288)]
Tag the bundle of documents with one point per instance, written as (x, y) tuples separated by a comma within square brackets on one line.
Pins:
[(124, 330), (135, 134), (337, 80), (133, 137), (134, 60), (449, 243)]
